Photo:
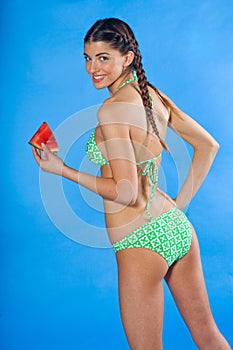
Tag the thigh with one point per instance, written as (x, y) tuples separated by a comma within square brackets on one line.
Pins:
[(186, 282), (140, 275)]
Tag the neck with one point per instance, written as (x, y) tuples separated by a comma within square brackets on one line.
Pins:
[(122, 81)]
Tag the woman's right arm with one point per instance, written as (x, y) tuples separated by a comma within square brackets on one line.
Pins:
[(205, 149)]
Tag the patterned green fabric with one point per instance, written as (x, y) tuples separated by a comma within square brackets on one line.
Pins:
[(152, 173), (93, 152), (169, 235), (134, 78)]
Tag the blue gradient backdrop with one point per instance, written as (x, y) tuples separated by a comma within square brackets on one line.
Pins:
[(56, 293)]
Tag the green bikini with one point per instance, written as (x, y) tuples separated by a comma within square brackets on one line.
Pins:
[(169, 234)]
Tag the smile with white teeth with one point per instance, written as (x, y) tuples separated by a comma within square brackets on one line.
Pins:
[(98, 77)]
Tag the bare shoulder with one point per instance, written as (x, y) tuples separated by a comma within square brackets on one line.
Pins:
[(125, 107)]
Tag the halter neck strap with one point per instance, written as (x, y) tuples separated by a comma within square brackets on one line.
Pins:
[(134, 78)]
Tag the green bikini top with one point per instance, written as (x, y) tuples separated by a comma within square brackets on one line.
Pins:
[(151, 170)]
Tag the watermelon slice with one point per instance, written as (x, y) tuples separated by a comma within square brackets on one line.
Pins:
[(44, 135)]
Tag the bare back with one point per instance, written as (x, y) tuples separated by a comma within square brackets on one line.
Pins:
[(122, 219)]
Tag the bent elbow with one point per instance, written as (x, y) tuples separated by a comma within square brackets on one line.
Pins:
[(214, 147), (209, 146), (129, 199), (217, 146), (126, 193), (133, 201)]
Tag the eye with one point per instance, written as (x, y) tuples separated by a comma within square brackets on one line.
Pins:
[(104, 58), (87, 59)]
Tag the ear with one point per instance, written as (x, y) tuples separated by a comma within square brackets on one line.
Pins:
[(129, 57)]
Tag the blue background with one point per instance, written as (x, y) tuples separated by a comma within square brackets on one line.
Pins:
[(56, 293)]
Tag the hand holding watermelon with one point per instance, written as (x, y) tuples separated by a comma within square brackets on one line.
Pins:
[(47, 160), (44, 140)]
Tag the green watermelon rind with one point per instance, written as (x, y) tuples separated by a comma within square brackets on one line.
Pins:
[(50, 142), (52, 149)]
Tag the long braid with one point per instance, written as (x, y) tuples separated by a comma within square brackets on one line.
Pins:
[(143, 85)]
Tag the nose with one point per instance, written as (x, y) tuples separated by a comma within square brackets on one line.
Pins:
[(94, 66)]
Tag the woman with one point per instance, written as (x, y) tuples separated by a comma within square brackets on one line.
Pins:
[(151, 236)]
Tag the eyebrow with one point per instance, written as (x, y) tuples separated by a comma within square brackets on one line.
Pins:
[(98, 54)]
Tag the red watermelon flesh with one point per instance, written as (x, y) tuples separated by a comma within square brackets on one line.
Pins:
[(44, 135)]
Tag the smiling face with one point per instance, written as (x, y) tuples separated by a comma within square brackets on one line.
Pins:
[(106, 66)]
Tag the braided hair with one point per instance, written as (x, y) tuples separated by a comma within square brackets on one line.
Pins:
[(121, 37)]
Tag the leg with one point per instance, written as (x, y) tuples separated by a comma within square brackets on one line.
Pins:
[(186, 282), (140, 275)]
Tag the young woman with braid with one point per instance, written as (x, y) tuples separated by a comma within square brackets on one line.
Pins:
[(150, 234)]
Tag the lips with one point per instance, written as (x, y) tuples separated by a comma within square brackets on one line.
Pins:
[(98, 78)]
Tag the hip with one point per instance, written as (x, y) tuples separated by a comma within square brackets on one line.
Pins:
[(121, 220), (169, 235)]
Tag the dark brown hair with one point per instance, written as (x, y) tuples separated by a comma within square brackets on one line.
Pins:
[(121, 37)]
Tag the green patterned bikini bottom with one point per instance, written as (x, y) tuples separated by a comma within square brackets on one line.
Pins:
[(169, 235)]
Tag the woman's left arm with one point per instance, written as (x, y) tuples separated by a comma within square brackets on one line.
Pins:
[(205, 148)]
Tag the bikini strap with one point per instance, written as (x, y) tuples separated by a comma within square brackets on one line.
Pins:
[(135, 78), (151, 172)]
